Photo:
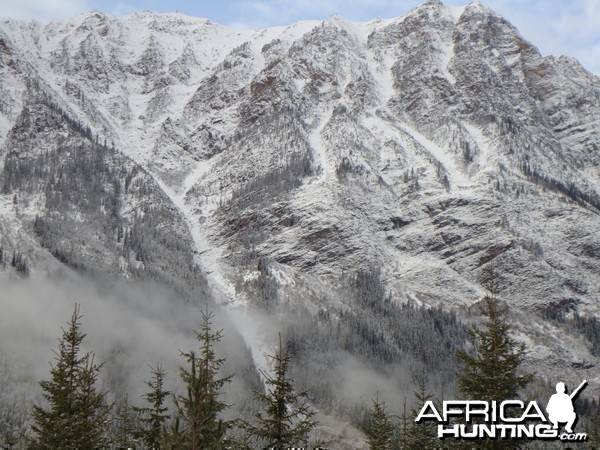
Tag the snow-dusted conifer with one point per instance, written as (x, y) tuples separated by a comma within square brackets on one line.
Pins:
[(380, 431), (493, 372), (154, 417), (201, 407), (287, 420), (77, 415)]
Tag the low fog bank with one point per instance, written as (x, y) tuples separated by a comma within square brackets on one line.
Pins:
[(128, 326)]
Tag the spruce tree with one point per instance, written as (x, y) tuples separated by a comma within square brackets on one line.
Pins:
[(77, 416), (421, 435), (125, 422), (380, 431), (173, 436), (287, 420), (154, 417), (493, 372), (201, 407)]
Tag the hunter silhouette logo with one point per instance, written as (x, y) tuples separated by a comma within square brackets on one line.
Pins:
[(560, 406), (508, 419)]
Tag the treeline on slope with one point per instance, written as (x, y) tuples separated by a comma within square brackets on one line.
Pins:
[(274, 184), (574, 323), (286, 168), (395, 340), (17, 261), (570, 190), (101, 212)]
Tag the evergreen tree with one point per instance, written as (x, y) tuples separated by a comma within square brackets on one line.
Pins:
[(421, 435), (173, 436), (155, 416), (13, 424), (125, 424), (402, 432), (380, 430), (493, 372), (77, 416), (593, 428), (287, 420), (201, 408)]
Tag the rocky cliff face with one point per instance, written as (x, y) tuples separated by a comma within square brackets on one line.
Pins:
[(429, 146)]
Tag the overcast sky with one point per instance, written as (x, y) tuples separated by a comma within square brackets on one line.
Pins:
[(557, 27)]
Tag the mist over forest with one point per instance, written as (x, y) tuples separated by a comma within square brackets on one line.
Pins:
[(130, 326)]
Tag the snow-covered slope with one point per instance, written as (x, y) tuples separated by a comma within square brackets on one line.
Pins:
[(429, 146)]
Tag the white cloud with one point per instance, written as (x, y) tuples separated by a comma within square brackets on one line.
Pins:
[(44, 10), (127, 328)]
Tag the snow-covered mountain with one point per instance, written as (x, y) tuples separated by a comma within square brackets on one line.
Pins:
[(427, 146)]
